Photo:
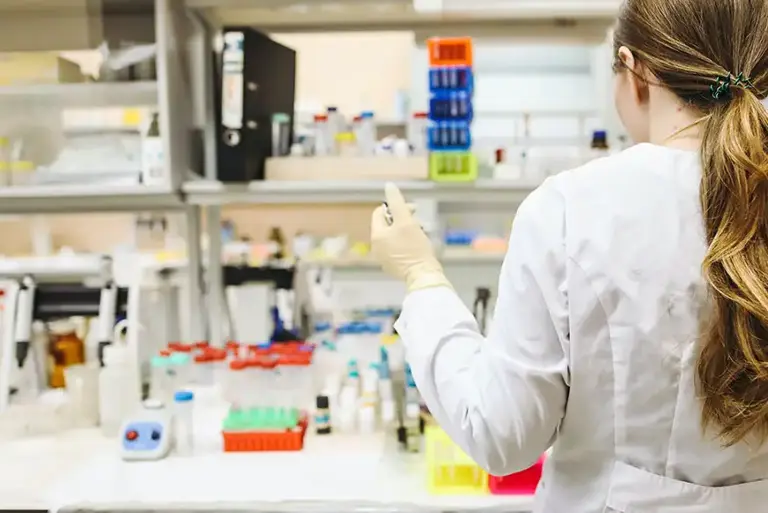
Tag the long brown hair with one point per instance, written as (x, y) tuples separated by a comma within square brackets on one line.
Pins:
[(696, 48)]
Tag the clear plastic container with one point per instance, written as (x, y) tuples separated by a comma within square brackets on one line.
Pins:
[(366, 134), (161, 386), (183, 423), (119, 393), (297, 384), (180, 369), (417, 132), (236, 384), (323, 142), (208, 365)]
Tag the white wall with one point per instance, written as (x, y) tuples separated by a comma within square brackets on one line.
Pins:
[(353, 71)]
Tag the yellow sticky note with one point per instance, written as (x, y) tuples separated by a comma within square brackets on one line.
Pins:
[(132, 117)]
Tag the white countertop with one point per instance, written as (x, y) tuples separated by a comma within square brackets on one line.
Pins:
[(83, 467)]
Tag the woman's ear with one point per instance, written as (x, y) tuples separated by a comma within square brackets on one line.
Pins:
[(638, 81)]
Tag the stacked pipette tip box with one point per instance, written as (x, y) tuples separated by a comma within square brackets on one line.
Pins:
[(451, 85)]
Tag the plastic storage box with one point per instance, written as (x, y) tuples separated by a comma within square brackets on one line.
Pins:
[(450, 51), (520, 483), (449, 470), (453, 166)]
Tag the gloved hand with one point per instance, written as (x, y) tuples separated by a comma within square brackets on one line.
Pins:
[(402, 248)]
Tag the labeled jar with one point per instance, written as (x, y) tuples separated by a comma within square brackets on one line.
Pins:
[(323, 415)]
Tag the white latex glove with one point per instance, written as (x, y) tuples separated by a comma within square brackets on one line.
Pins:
[(402, 248)]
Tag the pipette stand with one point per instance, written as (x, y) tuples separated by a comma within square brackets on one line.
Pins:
[(38, 292)]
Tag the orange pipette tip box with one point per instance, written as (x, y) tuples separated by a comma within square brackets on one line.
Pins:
[(450, 51)]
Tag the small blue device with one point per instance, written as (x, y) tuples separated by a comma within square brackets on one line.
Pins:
[(146, 436)]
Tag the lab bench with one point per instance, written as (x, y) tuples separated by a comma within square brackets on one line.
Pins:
[(81, 471)]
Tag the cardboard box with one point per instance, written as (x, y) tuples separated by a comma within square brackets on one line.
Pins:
[(341, 168)]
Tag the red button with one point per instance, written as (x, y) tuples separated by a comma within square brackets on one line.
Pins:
[(131, 436)]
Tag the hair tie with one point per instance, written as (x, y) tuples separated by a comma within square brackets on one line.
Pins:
[(721, 89)]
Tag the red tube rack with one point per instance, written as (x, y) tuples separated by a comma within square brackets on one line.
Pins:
[(520, 483)]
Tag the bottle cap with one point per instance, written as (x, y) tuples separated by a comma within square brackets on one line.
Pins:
[(323, 402), (321, 117), (159, 361), (180, 359), (238, 365), (322, 326), (366, 114), (420, 115), (331, 109), (183, 396), (153, 404)]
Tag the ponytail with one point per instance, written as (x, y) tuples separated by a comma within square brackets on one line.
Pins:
[(732, 369)]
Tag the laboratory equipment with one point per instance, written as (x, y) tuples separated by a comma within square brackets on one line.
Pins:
[(449, 470), (152, 158), (480, 307), (147, 434), (119, 395), (270, 389), (449, 134), (208, 365), (82, 385), (366, 134), (417, 132), (183, 423), (412, 423), (387, 214), (161, 384), (322, 138), (369, 399), (598, 147), (53, 288), (524, 482), (323, 415), (65, 348)]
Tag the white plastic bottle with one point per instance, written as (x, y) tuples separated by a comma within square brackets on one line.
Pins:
[(119, 394), (322, 140), (152, 161), (366, 134), (417, 132)]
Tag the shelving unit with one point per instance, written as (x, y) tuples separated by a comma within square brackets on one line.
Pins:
[(89, 94), (210, 193), (176, 95), (49, 199)]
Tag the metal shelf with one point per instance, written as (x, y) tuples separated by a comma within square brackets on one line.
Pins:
[(216, 193), (587, 19), (49, 199), (448, 257), (83, 95)]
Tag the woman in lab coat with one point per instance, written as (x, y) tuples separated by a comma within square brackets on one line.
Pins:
[(631, 327)]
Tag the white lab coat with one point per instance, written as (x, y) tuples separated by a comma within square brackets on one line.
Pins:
[(592, 349)]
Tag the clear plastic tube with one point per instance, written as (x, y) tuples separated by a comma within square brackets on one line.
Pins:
[(183, 423)]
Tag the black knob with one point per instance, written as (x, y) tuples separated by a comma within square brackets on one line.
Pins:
[(155, 435)]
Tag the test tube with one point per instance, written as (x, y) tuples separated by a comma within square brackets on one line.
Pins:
[(183, 423), (235, 383)]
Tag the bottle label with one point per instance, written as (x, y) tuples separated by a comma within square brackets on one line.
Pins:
[(322, 420)]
